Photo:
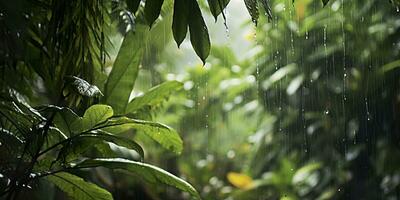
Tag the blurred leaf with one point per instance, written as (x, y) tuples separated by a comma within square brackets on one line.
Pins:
[(325, 2), (152, 9), (148, 172), (180, 20), (252, 7), (77, 188), (239, 180), (83, 87), (166, 136), (154, 96), (198, 31), (267, 8), (122, 78), (133, 5), (304, 172)]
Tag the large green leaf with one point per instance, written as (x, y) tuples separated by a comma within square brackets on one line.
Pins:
[(152, 10), (66, 120), (166, 136), (217, 6), (198, 31), (82, 143), (154, 96), (180, 20), (95, 115), (77, 188), (148, 172), (122, 78)]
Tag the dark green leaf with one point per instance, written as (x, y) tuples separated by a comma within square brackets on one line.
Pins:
[(252, 7), (154, 96), (325, 2), (83, 87), (65, 120), (161, 133), (267, 8), (148, 172), (77, 188), (198, 31), (180, 20), (152, 10), (122, 78), (217, 6), (133, 5)]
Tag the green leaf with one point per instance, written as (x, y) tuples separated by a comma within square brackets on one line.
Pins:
[(133, 5), (267, 8), (152, 10), (164, 135), (217, 6), (154, 96), (325, 2), (66, 120), (95, 115), (83, 88), (180, 20), (122, 78), (252, 8), (148, 172), (77, 188), (82, 143), (198, 31)]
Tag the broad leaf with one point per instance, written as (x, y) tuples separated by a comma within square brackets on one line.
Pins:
[(166, 136), (148, 172), (83, 87), (152, 10), (122, 78), (252, 7), (154, 96), (180, 20), (77, 188), (95, 115), (66, 121), (217, 6), (198, 31), (82, 143)]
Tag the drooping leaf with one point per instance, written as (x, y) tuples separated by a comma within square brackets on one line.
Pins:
[(83, 87), (180, 20), (164, 135), (77, 188), (152, 10), (217, 6), (325, 2), (154, 96), (267, 8), (82, 143), (198, 31), (252, 8), (133, 5), (122, 78), (148, 172)]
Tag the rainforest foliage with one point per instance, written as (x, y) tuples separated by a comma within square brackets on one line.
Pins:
[(311, 111)]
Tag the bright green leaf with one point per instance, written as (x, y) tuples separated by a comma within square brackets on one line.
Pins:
[(122, 78), (166, 136), (148, 172), (77, 188), (154, 96), (95, 115)]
